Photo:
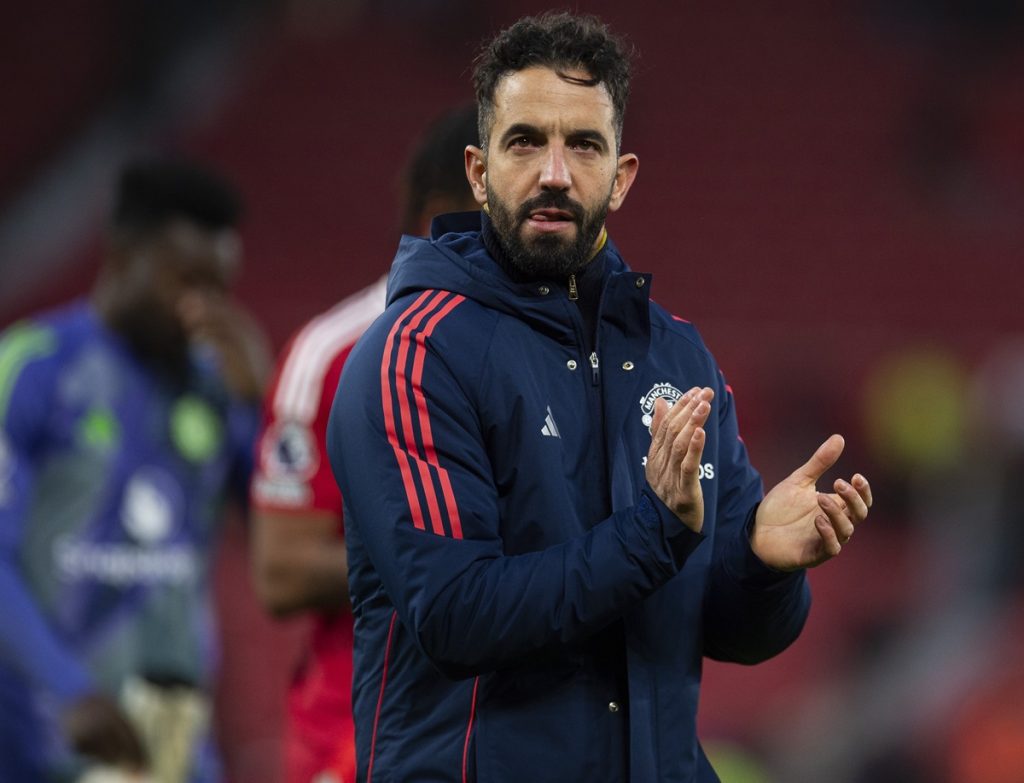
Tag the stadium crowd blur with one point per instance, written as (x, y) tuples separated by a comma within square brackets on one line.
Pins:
[(805, 157)]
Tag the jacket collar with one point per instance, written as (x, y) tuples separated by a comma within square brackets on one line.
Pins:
[(457, 258)]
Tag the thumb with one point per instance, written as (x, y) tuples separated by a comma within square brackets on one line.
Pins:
[(823, 458)]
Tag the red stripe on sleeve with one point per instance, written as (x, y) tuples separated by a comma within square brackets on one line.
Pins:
[(411, 446), (429, 452), (389, 416), (399, 390)]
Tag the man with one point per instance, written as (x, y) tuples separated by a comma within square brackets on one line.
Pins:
[(299, 547), (125, 421), (550, 515)]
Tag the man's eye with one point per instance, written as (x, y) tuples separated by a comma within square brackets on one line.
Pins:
[(584, 145)]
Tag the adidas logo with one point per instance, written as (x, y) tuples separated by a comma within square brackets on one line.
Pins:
[(550, 429)]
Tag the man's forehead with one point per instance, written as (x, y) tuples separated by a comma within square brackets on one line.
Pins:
[(540, 96)]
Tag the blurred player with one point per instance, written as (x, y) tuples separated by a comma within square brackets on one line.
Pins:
[(299, 550), (125, 422)]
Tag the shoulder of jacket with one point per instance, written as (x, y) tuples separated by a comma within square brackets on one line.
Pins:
[(437, 314), (449, 325), (677, 327)]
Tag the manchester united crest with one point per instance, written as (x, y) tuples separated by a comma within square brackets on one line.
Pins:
[(662, 389)]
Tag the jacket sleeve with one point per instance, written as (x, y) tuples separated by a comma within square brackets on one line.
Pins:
[(752, 612), (27, 642), (405, 444)]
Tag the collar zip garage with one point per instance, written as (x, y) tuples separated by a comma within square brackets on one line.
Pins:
[(574, 292)]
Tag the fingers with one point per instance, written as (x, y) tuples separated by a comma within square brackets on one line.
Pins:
[(677, 445), (837, 517), (690, 465), (668, 419), (856, 503), (829, 540), (823, 458), (863, 489), (842, 512), (688, 446), (658, 430)]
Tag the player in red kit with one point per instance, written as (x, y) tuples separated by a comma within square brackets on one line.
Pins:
[(300, 563)]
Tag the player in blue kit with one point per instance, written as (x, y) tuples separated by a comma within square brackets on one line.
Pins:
[(126, 421)]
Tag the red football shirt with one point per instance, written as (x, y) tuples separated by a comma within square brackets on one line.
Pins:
[(293, 475)]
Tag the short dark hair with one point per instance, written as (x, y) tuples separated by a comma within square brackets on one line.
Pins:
[(560, 41), (153, 192), (437, 164)]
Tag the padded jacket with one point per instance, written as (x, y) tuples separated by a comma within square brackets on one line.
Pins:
[(526, 608)]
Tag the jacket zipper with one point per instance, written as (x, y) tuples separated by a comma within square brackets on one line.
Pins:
[(574, 294)]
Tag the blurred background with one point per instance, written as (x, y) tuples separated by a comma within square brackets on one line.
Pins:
[(831, 190)]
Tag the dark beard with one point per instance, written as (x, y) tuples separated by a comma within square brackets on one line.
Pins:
[(157, 340), (548, 257)]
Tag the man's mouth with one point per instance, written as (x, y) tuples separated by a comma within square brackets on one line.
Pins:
[(547, 220), (550, 214)]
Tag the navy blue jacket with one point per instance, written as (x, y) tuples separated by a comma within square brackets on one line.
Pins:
[(526, 609)]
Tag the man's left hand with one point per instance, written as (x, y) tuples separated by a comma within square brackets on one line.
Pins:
[(798, 527)]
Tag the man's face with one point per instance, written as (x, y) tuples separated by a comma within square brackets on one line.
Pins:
[(160, 276), (551, 173)]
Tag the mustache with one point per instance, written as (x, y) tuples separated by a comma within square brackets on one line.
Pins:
[(551, 200)]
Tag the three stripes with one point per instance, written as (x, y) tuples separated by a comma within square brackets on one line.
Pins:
[(406, 420)]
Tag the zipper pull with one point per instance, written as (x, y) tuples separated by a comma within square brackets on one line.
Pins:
[(594, 366), (574, 292)]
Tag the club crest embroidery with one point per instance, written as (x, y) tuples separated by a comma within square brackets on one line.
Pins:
[(662, 389)]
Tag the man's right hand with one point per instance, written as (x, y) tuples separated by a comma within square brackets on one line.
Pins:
[(673, 460), (97, 728)]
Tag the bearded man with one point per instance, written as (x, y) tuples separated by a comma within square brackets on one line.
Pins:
[(538, 563)]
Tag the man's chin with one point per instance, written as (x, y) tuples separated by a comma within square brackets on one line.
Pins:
[(549, 246)]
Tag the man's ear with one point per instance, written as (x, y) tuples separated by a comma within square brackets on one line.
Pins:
[(476, 173), (625, 173)]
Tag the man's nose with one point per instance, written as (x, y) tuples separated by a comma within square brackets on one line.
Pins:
[(555, 172)]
